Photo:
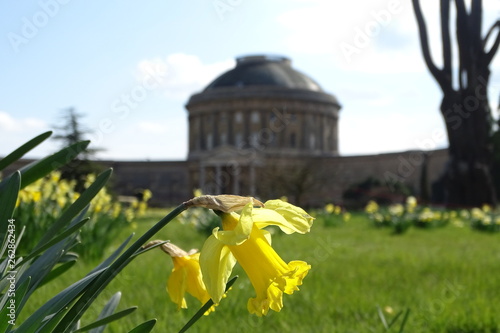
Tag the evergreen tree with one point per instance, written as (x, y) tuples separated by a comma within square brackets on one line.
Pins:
[(72, 131)]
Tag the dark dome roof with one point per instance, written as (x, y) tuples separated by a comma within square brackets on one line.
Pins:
[(264, 71)]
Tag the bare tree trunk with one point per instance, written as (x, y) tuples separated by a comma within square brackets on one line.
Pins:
[(468, 180), (465, 109)]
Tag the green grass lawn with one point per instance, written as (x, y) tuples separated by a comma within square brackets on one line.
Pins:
[(448, 277)]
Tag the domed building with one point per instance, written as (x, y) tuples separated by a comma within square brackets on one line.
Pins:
[(267, 130), (261, 112)]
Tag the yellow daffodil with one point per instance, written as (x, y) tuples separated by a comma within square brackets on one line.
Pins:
[(411, 204), (477, 214), (185, 277), (146, 195), (371, 207), (330, 208), (346, 216), (396, 209), (197, 192), (243, 240), (389, 310)]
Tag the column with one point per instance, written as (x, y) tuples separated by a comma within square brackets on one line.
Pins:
[(236, 179), (252, 179), (217, 179), (201, 180)]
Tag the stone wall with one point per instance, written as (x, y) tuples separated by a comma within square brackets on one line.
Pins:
[(326, 178)]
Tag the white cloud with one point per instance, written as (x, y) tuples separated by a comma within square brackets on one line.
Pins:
[(9, 123), (15, 132), (163, 138), (377, 36), (359, 35), (182, 74), (152, 127)]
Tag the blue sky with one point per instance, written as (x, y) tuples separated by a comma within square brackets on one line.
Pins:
[(131, 66)]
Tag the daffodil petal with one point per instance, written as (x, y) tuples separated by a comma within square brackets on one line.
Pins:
[(267, 236), (242, 227), (263, 217), (216, 263), (294, 219), (194, 280), (176, 287)]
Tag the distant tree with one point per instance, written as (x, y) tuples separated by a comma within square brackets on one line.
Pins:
[(71, 132), (464, 107)]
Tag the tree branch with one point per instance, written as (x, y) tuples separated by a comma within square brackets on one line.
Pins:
[(476, 19), (491, 53), (424, 42), (463, 43), (445, 36)]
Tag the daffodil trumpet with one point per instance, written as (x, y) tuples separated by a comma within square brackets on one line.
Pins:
[(185, 276)]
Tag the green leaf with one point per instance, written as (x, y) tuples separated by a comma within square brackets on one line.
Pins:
[(141, 251), (111, 305), (68, 256), (56, 304), (55, 240), (19, 152), (49, 322), (204, 308), (56, 272), (77, 206), (79, 308), (108, 310), (382, 317), (145, 327), (43, 167), (113, 256), (8, 198), (17, 297), (43, 264), (405, 318), (394, 319), (99, 325)]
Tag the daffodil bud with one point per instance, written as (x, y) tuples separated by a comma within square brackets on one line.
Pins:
[(225, 202)]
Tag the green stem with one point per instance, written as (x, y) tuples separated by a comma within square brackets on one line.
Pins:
[(103, 280)]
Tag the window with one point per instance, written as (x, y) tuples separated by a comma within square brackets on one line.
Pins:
[(238, 117), (255, 117), (209, 141), (239, 140), (312, 141)]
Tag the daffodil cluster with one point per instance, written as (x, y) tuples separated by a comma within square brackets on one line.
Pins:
[(401, 216), (42, 201), (242, 239), (333, 215), (485, 219)]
